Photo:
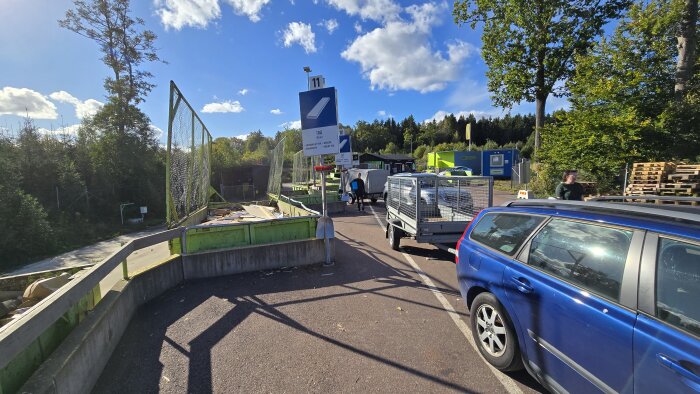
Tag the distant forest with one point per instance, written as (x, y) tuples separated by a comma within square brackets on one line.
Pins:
[(387, 136)]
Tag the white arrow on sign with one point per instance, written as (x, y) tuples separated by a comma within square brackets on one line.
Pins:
[(318, 108)]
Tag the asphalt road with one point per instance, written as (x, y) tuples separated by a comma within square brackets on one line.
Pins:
[(378, 321)]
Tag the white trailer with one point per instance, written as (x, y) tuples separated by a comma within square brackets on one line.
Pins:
[(374, 180)]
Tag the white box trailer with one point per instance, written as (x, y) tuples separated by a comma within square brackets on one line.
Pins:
[(374, 180)]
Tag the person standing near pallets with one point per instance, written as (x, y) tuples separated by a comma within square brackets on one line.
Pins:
[(568, 188)]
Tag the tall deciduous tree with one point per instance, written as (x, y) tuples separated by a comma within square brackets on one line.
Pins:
[(529, 46), (124, 45), (623, 107), (687, 46)]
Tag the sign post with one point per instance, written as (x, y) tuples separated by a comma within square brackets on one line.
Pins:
[(319, 135), (468, 135)]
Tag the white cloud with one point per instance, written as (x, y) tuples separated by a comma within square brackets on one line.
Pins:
[(157, 131), (243, 92), (291, 125), (249, 8), (223, 107), (399, 56), (469, 93), (298, 32), (26, 102), (440, 115), (331, 25), (177, 14), (381, 113), (358, 27), (276, 111), (376, 10), (83, 109), (242, 136), (67, 131)]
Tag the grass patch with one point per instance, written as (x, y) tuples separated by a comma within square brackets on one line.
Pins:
[(503, 185)]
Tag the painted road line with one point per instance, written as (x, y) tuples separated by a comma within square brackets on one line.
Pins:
[(505, 380)]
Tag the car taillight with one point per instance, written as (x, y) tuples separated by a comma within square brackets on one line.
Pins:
[(463, 235)]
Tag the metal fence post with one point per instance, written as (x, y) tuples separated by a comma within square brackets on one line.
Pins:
[(183, 241), (125, 270)]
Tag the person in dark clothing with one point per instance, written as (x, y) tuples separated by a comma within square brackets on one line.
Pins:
[(358, 189), (568, 188)]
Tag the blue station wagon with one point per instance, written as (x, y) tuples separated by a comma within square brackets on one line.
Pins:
[(587, 296)]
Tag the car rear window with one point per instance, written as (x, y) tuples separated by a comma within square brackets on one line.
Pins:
[(504, 232), (678, 285)]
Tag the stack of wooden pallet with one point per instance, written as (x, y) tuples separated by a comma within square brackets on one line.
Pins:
[(686, 182), (646, 178)]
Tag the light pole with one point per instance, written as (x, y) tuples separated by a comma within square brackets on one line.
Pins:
[(325, 223), (307, 69), (308, 83)]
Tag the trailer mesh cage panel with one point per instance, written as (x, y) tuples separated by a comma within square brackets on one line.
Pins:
[(441, 198)]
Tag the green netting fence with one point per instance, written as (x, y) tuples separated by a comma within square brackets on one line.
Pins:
[(188, 166), (301, 169), (274, 183)]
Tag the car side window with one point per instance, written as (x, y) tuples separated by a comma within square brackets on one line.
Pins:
[(504, 231), (588, 255), (678, 284)]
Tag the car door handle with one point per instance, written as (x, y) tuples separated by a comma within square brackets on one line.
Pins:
[(522, 284), (676, 367)]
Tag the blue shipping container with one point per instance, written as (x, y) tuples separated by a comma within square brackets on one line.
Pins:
[(499, 163)]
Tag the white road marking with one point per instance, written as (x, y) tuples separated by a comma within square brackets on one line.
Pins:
[(508, 383)]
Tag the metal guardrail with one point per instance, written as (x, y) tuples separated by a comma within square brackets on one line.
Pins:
[(20, 334), (300, 204)]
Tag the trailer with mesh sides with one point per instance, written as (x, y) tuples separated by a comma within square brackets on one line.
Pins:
[(434, 209)]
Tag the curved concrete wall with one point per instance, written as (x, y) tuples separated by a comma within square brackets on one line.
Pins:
[(77, 364)]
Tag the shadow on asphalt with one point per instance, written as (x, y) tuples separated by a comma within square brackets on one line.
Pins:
[(143, 341)]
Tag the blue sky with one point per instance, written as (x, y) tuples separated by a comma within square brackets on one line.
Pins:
[(240, 62)]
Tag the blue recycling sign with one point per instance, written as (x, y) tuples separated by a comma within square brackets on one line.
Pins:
[(344, 144), (319, 108), (319, 121)]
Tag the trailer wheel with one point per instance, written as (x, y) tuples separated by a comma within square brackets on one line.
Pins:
[(395, 235)]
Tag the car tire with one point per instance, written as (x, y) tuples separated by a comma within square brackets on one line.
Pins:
[(493, 333), (395, 235), (373, 200)]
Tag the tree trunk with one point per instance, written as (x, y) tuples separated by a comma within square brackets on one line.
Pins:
[(539, 118), (686, 47)]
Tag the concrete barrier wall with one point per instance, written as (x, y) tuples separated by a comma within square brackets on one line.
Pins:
[(254, 258), (78, 362)]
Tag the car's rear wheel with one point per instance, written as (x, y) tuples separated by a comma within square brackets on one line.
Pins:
[(494, 334), (373, 200), (395, 235)]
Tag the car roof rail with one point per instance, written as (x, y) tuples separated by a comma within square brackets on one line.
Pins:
[(662, 211)]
